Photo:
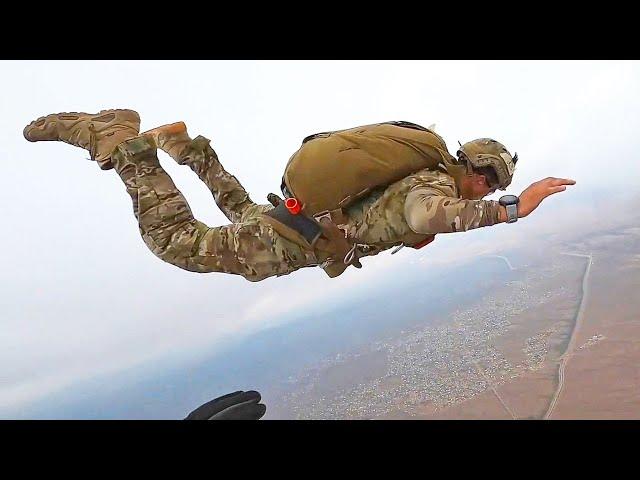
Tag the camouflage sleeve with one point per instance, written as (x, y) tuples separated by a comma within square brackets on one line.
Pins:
[(429, 211)]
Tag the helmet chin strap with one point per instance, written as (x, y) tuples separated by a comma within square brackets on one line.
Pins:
[(457, 170), (469, 167)]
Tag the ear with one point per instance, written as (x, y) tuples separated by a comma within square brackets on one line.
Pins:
[(480, 179)]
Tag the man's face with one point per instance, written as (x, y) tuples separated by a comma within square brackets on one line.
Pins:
[(477, 187)]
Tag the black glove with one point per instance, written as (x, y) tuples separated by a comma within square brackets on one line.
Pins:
[(233, 406)]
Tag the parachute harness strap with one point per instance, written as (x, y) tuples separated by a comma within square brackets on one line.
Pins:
[(353, 255)]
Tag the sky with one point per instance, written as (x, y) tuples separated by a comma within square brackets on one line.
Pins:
[(82, 296)]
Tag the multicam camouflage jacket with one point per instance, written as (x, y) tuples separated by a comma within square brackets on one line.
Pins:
[(415, 208)]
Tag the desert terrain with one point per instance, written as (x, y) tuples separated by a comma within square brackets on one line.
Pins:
[(560, 339)]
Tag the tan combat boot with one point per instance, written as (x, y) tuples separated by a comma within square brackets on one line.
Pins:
[(98, 133), (172, 139)]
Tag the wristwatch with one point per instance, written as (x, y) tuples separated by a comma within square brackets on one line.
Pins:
[(510, 202)]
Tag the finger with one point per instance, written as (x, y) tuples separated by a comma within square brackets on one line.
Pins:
[(259, 411), (212, 407), (254, 395), (241, 397), (560, 188), (563, 181), (243, 411), (228, 395), (217, 405), (250, 411)]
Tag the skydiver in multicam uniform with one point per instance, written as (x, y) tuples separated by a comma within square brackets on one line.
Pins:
[(386, 200)]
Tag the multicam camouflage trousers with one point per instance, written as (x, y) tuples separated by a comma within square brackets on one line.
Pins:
[(248, 247)]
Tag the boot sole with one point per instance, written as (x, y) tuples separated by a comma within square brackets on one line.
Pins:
[(120, 114)]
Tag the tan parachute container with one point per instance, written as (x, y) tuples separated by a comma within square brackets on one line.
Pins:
[(333, 169)]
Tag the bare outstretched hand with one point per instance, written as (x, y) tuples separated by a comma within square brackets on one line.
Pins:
[(533, 195)]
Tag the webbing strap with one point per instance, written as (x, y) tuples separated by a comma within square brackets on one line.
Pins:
[(305, 226)]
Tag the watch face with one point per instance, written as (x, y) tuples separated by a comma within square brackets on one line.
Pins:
[(509, 200)]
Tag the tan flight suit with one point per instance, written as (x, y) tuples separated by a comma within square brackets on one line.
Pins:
[(406, 212)]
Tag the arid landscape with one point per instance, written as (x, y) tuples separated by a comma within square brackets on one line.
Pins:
[(543, 327), (559, 339)]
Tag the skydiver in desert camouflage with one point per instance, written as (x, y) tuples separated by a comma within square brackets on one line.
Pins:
[(348, 194)]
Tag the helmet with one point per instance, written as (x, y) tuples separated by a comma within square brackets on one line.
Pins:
[(486, 152)]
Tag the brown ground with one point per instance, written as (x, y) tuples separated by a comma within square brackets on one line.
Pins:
[(529, 393), (602, 377), (603, 380), (365, 367), (480, 407)]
